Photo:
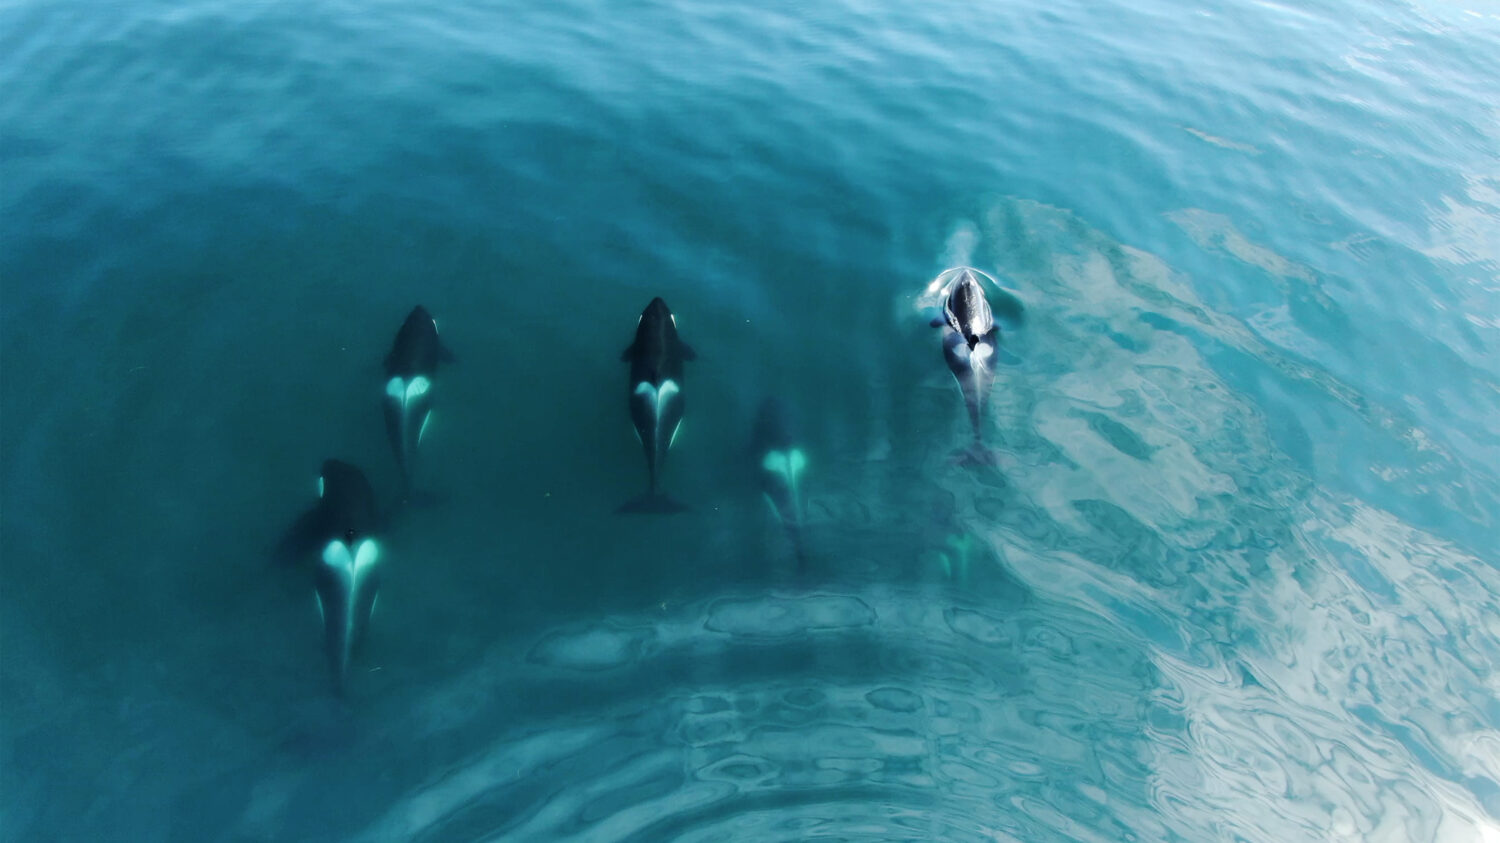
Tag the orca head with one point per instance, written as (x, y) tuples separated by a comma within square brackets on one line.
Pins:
[(346, 496), (421, 318), (417, 349), (337, 476), (967, 310), (657, 313)]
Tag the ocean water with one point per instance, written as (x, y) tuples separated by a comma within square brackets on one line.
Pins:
[(1230, 574)]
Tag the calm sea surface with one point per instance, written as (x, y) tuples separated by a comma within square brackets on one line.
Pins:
[(1229, 574)]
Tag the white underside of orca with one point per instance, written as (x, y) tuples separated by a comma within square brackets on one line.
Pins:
[(352, 569), (660, 397), (788, 465), (356, 564), (982, 356), (405, 394)]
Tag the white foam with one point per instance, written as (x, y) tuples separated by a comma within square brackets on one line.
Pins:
[(779, 617), (597, 647)]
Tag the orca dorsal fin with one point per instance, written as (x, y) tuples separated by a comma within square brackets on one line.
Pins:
[(686, 351)]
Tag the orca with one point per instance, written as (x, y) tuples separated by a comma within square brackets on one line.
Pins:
[(781, 462), (655, 396), (341, 529), (971, 342), (410, 370)]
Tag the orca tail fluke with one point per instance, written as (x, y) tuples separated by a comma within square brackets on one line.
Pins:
[(651, 503)]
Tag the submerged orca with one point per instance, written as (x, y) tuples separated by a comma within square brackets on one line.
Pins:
[(346, 578), (410, 369), (655, 395), (970, 342), (781, 462)]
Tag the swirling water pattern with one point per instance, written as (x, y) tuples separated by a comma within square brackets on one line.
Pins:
[(1232, 575)]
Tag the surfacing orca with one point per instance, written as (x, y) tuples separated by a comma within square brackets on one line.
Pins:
[(971, 342), (781, 461), (655, 396), (410, 369)]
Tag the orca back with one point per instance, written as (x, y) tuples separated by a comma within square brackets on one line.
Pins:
[(967, 310), (348, 499), (657, 352)]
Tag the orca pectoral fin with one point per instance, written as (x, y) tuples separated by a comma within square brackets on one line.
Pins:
[(686, 350), (628, 352), (445, 354), (300, 539), (651, 503), (937, 322)]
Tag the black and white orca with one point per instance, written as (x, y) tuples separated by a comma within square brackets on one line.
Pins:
[(341, 528), (781, 461), (410, 369), (971, 342), (655, 396)]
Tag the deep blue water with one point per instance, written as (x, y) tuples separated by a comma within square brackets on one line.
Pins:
[(1231, 576)]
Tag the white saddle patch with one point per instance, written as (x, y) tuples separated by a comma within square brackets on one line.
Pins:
[(659, 396), (353, 565), (983, 352), (788, 464), (404, 391)]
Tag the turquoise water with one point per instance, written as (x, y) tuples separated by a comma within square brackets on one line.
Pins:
[(1232, 574)]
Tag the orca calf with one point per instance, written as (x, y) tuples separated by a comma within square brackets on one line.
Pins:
[(971, 342), (655, 396), (410, 369), (346, 580), (781, 462)]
